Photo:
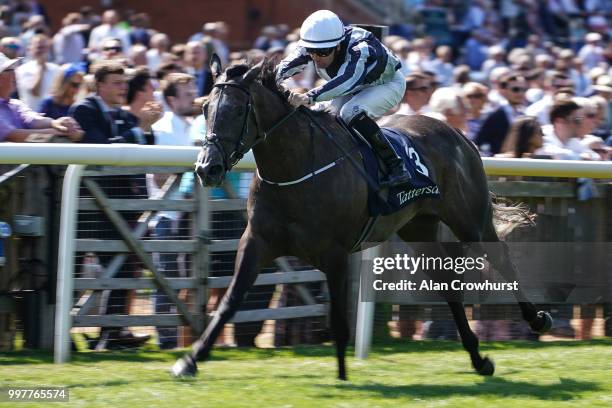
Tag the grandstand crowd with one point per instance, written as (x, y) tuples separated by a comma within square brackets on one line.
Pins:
[(518, 78)]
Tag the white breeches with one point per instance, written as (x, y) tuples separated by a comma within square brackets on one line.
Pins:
[(375, 100)]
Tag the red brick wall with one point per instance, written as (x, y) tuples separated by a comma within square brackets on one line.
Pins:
[(181, 18)]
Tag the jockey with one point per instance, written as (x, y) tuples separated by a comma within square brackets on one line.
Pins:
[(363, 80)]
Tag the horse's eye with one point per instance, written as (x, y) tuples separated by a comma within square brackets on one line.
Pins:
[(239, 111)]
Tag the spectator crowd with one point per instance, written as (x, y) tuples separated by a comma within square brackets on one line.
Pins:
[(519, 78)]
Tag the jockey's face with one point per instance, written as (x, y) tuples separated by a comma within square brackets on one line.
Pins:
[(323, 61)]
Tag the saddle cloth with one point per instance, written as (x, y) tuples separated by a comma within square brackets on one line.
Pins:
[(389, 200)]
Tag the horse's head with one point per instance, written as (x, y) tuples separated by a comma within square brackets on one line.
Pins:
[(231, 125)]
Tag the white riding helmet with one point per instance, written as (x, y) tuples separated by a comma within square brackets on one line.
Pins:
[(321, 29)]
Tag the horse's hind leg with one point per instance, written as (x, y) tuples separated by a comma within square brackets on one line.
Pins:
[(335, 266), (499, 256), (473, 224), (253, 252), (425, 229)]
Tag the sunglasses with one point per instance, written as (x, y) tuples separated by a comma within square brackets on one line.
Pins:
[(420, 88), (75, 85), (116, 49), (475, 96), (577, 120), (518, 89), (321, 52)]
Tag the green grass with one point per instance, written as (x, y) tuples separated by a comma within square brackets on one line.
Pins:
[(397, 374)]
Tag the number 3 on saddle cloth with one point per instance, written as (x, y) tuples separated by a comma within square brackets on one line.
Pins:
[(396, 198)]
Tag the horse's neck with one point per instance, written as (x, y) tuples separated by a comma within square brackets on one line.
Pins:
[(287, 152)]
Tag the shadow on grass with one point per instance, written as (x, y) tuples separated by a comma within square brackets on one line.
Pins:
[(564, 390), (393, 346), (46, 357)]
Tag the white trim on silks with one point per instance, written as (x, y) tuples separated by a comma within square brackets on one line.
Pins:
[(306, 177)]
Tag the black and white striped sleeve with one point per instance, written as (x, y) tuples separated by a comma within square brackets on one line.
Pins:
[(293, 64), (350, 75)]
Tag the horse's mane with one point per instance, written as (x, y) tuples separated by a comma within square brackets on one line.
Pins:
[(267, 77)]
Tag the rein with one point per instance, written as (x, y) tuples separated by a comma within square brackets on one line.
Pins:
[(241, 148)]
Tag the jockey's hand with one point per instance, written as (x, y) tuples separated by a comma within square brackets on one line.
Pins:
[(298, 99)]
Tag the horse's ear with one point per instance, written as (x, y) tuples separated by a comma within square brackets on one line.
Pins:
[(215, 66), (252, 73)]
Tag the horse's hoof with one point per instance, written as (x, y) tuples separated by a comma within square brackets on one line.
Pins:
[(184, 367), (542, 323), (486, 368)]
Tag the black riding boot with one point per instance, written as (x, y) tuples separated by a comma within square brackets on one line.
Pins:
[(396, 171)]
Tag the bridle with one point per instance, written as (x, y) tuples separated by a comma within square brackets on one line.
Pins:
[(240, 149), (241, 146)]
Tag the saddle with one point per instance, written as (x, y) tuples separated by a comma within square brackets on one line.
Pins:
[(384, 200)]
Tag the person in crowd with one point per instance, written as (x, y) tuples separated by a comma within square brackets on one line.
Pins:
[(18, 122), (100, 115), (461, 76), (495, 97), (142, 109), (173, 129), (601, 130), (417, 94), (160, 45), (589, 125), (64, 92), (442, 65), (69, 41), (421, 54), (137, 55), (35, 25), (139, 29), (475, 98), (562, 137), (447, 105), (35, 78), (553, 81), (112, 49), (269, 38), (109, 29), (495, 127), (11, 47), (524, 138), (591, 52), (365, 80), (216, 32), (196, 64), (104, 121), (497, 58)]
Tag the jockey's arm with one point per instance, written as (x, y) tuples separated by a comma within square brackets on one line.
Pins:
[(293, 64), (350, 75)]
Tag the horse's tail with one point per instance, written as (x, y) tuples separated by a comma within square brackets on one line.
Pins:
[(508, 215)]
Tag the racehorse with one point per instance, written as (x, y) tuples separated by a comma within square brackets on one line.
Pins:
[(300, 206)]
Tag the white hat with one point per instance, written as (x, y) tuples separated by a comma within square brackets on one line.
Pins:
[(592, 37), (603, 84), (321, 29), (7, 63)]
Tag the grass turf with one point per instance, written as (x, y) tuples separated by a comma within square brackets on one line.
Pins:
[(397, 374)]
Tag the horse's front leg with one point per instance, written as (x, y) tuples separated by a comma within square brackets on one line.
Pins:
[(253, 252)]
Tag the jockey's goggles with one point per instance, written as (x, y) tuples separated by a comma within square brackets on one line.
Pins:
[(321, 52)]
